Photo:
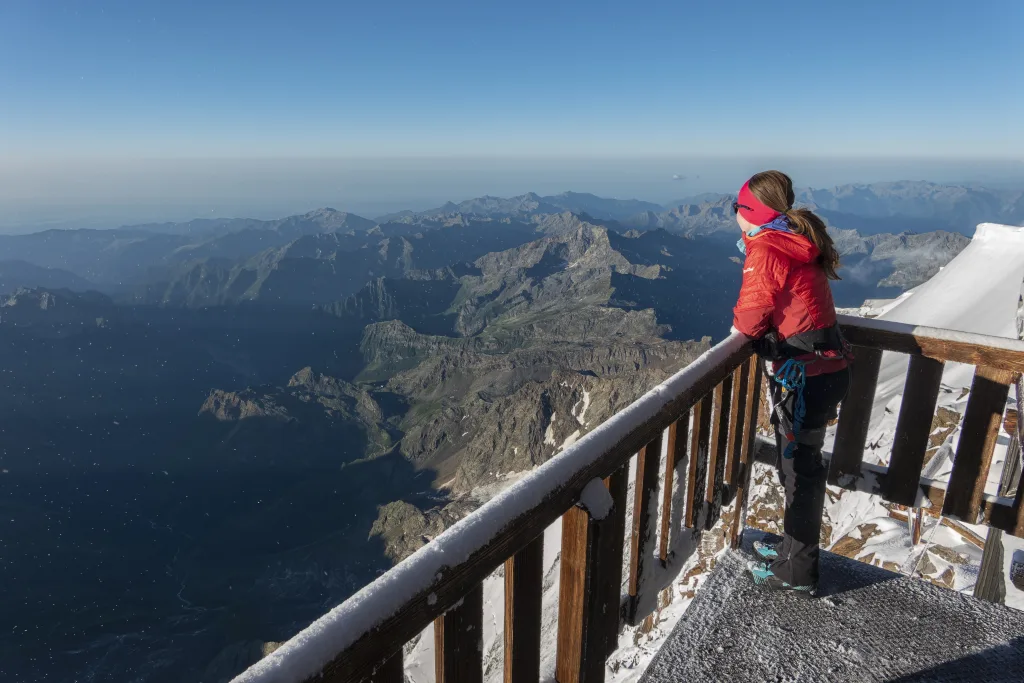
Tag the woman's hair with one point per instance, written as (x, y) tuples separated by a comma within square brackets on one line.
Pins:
[(775, 189)]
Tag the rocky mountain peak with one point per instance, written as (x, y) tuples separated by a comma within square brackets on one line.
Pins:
[(229, 406)]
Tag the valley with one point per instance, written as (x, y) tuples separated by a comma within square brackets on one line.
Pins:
[(214, 431)]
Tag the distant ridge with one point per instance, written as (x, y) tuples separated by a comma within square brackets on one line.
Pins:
[(531, 204)]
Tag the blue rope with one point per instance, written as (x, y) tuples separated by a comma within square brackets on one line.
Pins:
[(791, 377)]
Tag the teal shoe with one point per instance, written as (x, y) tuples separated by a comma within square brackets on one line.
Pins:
[(764, 577), (766, 551)]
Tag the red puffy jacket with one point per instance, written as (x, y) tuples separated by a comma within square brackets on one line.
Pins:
[(785, 288)]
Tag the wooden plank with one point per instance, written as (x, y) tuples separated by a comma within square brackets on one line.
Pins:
[(1004, 517), (855, 415), (913, 427), (524, 584), (645, 513), (391, 671), (736, 418), (944, 345), (719, 444), (978, 434), (990, 584), (699, 439), (458, 640), (356, 660), (583, 601), (1009, 518), (753, 402), (611, 552), (998, 514), (678, 433), (1018, 510)]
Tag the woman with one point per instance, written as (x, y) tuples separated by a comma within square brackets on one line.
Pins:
[(785, 305)]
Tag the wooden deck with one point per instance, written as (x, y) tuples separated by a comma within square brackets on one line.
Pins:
[(867, 624)]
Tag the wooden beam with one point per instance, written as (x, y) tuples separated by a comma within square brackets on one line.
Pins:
[(719, 441), (753, 403), (391, 671), (997, 514), (737, 416), (645, 517), (990, 584), (1009, 518), (524, 584), (1018, 509), (611, 554), (939, 344), (583, 599), (913, 427), (855, 415), (696, 477), (675, 456), (458, 641), (978, 434), (579, 543), (918, 525)]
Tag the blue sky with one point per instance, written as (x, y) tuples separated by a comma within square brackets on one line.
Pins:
[(141, 78), (267, 107)]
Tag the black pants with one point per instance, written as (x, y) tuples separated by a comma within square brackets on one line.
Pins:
[(804, 476)]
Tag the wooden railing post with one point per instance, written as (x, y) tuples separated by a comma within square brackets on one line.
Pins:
[(645, 517), (753, 372), (855, 415), (1017, 512), (458, 641), (524, 585), (914, 425), (675, 456), (611, 554), (585, 602), (737, 416), (978, 433), (713, 493), (696, 476)]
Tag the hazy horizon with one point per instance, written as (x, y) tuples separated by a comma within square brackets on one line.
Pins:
[(110, 193)]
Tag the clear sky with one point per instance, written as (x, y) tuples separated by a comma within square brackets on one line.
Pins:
[(132, 80)]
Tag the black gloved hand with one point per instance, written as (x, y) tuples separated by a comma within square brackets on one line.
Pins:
[(767, 346)]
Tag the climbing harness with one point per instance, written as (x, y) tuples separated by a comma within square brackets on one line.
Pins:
[(791, 410)]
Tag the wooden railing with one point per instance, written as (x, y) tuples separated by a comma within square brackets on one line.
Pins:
[(998, 364), (705, 417)]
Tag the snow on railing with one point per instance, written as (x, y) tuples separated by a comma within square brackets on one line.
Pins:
[(951, 344)]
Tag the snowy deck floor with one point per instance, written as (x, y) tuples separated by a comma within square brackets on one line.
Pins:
[(867, 624)]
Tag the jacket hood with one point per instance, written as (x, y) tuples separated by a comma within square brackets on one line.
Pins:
[(799, 248)]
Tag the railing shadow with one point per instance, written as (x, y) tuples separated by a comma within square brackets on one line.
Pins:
[(841, 574), (999, 663)]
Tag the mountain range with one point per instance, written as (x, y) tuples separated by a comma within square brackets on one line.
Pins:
[(228, 426)]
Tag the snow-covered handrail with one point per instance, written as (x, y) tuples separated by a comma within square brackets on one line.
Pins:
[(402, 602), (934, 342)]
